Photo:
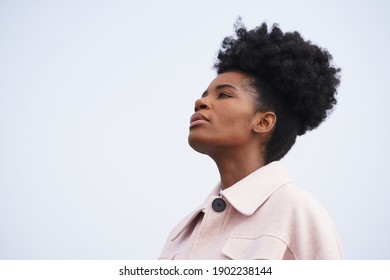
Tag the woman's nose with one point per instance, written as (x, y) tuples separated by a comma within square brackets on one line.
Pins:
[(201, 103)]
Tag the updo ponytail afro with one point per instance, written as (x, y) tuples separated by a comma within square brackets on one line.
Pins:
[(292, 77)]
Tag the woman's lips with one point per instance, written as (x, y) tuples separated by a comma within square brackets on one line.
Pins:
[(198, 118)]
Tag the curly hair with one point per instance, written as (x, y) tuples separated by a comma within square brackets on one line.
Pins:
[(291, 77)]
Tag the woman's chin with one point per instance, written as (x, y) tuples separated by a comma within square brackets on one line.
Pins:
[(198, 143)]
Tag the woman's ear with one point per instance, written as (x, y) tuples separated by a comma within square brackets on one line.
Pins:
[(265, 122)]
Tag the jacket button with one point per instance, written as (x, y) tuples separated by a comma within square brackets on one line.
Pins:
[(219, 205)]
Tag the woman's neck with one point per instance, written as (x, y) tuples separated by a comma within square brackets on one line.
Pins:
[(234, 166)]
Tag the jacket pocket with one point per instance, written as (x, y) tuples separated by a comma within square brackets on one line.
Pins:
[(264, 247)]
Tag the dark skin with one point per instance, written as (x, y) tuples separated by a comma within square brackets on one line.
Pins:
[(228, 128)]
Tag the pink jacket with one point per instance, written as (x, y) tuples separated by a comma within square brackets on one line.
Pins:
[(265, 217)]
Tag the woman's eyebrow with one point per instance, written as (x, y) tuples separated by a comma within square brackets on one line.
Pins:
[(220, 87), (225, 85)]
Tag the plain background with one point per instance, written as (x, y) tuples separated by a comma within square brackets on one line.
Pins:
[(95, 100)]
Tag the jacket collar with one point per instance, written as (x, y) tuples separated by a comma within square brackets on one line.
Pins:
[(183, 225), (247, 195)]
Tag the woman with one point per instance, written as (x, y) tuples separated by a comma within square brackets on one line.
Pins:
[(271, 87)]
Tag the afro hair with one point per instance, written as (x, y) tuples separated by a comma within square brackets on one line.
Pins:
[(291, 76)]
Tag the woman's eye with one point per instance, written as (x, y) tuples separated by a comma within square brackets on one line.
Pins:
[(223, 95)]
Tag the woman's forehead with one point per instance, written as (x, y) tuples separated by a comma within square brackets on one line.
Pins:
[(235, 79)]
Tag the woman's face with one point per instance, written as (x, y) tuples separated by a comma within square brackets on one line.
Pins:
[(225, 116)]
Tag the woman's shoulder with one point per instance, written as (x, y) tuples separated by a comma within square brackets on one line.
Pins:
[(291, 197), (298, 218)]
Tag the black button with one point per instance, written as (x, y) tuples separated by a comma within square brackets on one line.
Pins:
[(219, 205)]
